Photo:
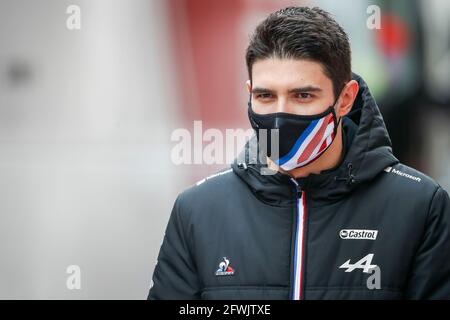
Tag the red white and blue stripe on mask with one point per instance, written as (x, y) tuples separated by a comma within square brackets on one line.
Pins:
[(313, 141)]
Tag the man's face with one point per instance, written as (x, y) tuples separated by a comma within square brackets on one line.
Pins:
[(291, 86)]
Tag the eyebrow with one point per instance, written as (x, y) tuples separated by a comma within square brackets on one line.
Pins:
[(295, 90)]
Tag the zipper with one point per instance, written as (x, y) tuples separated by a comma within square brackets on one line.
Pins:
[(299, 245)]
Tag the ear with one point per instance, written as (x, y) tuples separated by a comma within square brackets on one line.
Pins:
[(348, 96), (249, 86)]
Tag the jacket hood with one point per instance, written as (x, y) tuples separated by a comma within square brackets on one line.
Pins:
[(369, 153)]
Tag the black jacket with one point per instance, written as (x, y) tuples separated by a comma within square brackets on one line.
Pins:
[(242, 235)]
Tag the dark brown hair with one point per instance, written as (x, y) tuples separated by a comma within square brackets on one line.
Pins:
[(303, 33)]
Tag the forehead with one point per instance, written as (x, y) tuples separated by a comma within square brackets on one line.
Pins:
[(285, 74)]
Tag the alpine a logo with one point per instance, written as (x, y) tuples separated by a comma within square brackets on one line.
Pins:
[(224, 268), (365, 264), (357, 234)]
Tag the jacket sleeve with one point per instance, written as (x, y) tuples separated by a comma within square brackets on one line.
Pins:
[(430, 276), (175, 276)]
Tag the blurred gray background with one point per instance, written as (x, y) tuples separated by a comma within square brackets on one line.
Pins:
[(85, 173)]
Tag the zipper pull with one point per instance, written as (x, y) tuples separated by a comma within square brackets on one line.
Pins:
[(297, 187)]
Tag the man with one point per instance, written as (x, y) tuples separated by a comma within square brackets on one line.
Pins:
[(340, 218)]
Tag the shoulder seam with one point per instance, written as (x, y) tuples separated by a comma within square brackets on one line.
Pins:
[(213, 176)]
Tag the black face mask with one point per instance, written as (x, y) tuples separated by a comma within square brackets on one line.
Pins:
[(298, 139)]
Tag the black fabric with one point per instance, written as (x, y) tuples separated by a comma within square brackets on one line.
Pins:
[(348, 133), (250, 218), (286, 128)]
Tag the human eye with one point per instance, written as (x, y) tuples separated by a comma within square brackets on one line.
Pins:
[(304, 96), (264, 95)]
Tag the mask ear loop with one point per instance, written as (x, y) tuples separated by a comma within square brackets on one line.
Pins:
[(336, 121)]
